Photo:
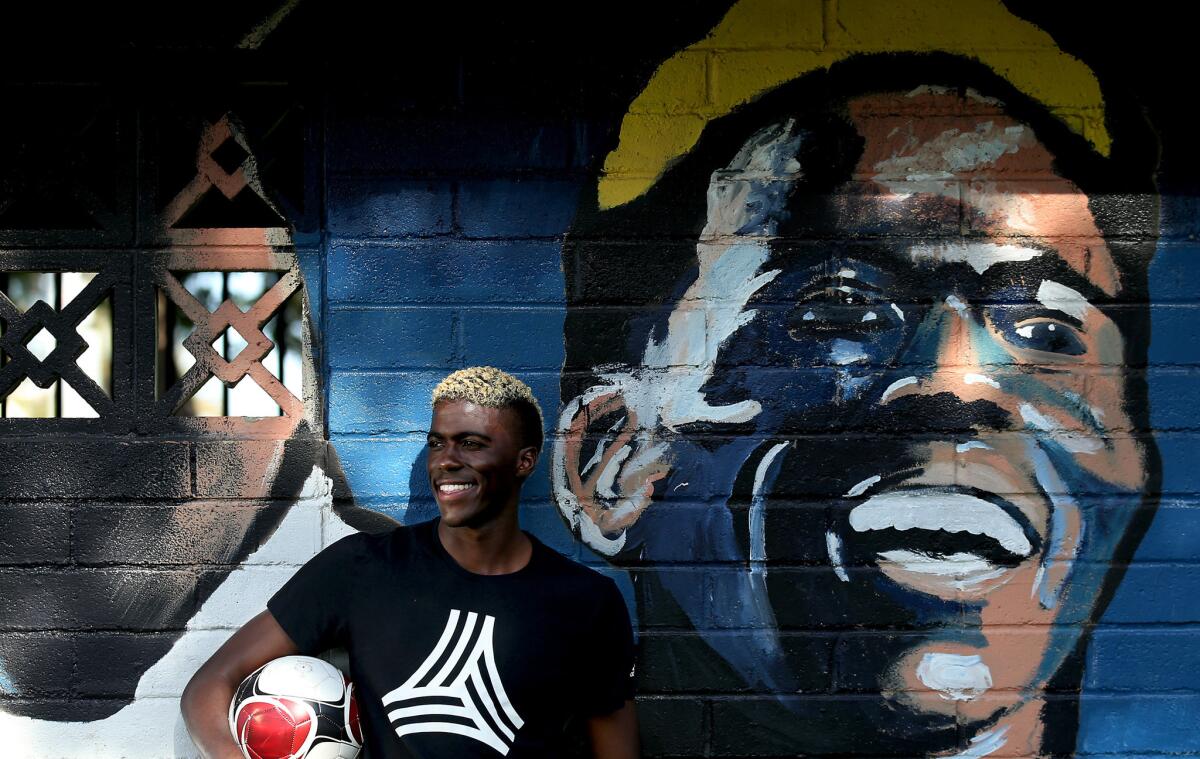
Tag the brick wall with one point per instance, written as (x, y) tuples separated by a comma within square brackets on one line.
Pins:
[(560, 206)]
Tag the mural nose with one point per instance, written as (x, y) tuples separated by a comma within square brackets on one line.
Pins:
[(945, 359)]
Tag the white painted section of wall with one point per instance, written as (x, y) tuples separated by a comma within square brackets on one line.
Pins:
[(151, 727)]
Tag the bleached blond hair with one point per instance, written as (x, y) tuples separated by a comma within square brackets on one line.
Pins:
[(494, 388)]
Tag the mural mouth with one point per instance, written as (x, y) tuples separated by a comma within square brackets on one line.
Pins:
[(946, 541)]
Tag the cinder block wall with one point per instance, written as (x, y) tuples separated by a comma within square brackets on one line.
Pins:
[(539, 208)]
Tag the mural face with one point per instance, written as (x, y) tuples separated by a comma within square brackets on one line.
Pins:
[(911, 270)]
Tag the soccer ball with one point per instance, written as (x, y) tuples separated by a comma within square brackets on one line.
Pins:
[(294, 707)]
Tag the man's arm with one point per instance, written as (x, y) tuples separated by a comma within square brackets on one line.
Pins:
[(205, 701), (615, 735)]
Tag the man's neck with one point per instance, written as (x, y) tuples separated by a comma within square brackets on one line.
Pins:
[(497, 548)]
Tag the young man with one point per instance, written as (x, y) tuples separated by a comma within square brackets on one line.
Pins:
[(467, 637)]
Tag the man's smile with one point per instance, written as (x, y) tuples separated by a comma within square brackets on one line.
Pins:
[(454, 488)]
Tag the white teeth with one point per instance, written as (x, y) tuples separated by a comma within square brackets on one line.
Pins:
[(454, 488), (963, 571), (954, 565), (935, 510)]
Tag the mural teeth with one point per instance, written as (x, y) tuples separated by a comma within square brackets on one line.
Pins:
[(939, 510)]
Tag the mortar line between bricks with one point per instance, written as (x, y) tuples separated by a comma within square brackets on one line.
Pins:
[(193, 464), (389, 371), (854, 632), (652, 632), (344, 306), (818, 696), (434, 240), (697, 304)]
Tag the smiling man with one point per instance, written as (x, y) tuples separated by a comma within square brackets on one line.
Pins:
[(889, 394), (464, 633)]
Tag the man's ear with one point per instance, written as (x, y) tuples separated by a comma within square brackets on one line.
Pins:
[(604, 468), (527, 459)]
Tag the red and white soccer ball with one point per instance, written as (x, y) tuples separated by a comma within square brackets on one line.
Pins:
[(295, 707)]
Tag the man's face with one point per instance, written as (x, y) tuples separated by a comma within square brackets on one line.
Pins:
[(476, 462), (945, 316)]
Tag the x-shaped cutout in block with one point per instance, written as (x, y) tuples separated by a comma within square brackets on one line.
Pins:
[(68, 344), (200, 342), (211, 325)]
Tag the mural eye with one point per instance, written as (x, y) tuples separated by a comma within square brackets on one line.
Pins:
[(838, 312), (1047, 336)]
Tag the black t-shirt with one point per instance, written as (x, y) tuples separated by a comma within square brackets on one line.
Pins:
[(448, 663)]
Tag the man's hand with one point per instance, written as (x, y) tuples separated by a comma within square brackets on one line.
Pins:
[(205, 701), (615, 735)]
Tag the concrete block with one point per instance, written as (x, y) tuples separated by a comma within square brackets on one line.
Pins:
[(200, 533), (515, 208), (417, 338), (1176, 335), (232, 598), (1175, 272), (1137, 723), (37, 665), (34, 533), (46, 469), (83, 598), (1174, 535), (672, 727), (447, 271), (381, 467), (1180, 451), (1180, 216), (1174, 398), (513, 339), (171, 673), (381, 402), (659, 589), (447, 143), (1157, 593), (1144, 660), (256, 468), (110, 664), (684, 662), (362, 208), (543, 520)]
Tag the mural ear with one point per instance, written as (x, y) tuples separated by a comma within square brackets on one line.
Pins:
[(604, 468)]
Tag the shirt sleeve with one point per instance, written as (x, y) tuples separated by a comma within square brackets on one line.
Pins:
[(609, 668), (310, 607)]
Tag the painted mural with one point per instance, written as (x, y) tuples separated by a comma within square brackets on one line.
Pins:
[(845, 308), (920, 253)]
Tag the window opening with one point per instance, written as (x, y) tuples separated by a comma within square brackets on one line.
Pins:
[(229, 301), (40, 343)]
